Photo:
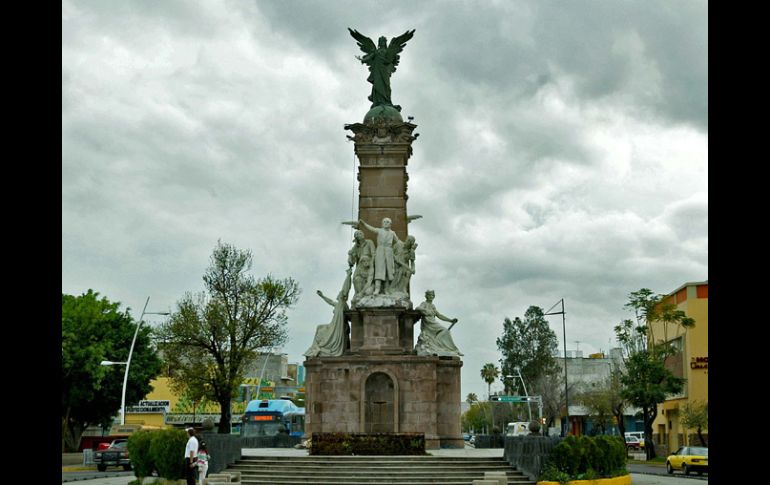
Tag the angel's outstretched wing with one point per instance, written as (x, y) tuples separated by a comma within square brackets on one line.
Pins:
[(397, 45), (365, 43)]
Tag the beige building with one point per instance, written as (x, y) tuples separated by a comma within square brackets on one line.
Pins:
[(691, 363)]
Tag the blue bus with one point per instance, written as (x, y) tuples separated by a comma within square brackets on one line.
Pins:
[(271, 417)]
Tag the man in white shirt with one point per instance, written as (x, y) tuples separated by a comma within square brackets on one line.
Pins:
[(190, 452)]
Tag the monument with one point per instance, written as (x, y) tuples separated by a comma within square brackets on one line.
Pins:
[(364, 373)]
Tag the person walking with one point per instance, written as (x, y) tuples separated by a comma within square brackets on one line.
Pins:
[(203, 462), (190, 454)]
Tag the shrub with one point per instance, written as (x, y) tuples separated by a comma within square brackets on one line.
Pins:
[(139, 452), (551, 474), (367, 444), (586, 458), (167, 450)]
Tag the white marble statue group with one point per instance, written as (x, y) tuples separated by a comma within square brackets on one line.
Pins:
[(381, 279), (384, 270)]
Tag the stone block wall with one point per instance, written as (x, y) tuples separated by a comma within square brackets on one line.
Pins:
[(425, 396)]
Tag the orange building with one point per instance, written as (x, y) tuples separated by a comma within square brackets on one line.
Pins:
[(691, 362)]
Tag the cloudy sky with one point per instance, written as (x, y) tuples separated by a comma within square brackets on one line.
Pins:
[(563, 152)]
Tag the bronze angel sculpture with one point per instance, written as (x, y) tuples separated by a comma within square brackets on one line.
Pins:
[(382, 61)]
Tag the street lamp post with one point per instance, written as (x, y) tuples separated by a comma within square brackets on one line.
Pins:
[(564, 332), (529, 406), (128, 362)]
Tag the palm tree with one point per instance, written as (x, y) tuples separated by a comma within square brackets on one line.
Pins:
[(489, 373), (471, 398)]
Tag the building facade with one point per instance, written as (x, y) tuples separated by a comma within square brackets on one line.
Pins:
[(585, 374), (691, 362)]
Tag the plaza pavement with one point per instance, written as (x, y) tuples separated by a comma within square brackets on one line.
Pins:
[(636, 478)]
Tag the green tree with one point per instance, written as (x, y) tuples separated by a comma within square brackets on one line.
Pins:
[(528, 344), (552, 392), (696, 415), (597, 402), (647, 381), (604, 403), (211, 337), (94, 329), (489, 373), (471, 398), (478, 418)]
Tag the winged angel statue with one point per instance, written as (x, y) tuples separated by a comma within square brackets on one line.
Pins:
[(382, 61)]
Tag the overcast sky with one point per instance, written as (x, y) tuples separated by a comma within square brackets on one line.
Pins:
[(563, 153)]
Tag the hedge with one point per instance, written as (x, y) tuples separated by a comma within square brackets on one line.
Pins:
[(367, 444), (139, 453), (586, 458), (167, 450)]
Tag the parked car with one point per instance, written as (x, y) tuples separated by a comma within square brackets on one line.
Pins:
[(472, 441), (687, 459), (115, 455), (632, 443), (466, 437), (639, 435)]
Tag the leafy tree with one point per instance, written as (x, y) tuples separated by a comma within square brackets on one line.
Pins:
[(605, 403), (477, 418), (211, 337), (94, 329), (597, 403), (647, 381), (471, 398), (552, 392), (696, 415), (528, 344), (489, 373)]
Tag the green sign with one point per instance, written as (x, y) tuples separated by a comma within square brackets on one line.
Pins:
[(512, 398)]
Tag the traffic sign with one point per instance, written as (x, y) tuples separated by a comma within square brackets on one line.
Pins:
[(517, 398)]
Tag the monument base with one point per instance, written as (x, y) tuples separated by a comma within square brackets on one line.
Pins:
[(385, 394)]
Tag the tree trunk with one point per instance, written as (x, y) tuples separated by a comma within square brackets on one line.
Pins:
[(224, 416), (72, 438), (621, 424), (700, 437), (65, 428), (649, 416)]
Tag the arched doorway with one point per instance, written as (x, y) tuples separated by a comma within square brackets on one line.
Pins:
[(379, 404)]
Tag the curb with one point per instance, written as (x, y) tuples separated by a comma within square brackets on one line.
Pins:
[(78, 468)]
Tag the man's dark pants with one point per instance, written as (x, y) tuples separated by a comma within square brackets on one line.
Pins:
[(189, 472)]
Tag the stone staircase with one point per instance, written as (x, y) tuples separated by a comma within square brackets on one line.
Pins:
[(371, 470)]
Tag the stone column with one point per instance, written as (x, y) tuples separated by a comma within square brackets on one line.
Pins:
[(383, 148)]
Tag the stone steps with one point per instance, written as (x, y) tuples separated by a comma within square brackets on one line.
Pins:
[(371, 470)]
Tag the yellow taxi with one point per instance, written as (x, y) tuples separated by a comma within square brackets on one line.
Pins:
[(687, 459)]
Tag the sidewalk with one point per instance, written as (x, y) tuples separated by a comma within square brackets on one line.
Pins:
[(105, 481)]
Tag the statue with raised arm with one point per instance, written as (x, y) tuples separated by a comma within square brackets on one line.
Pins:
[(382, 61), (434, 339), (331, 339), (362, 256), (384, 264)]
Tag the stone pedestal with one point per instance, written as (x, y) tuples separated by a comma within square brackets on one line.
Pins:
[(386, 393), (380, 385)]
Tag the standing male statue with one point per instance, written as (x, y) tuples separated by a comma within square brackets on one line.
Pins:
[(384, 264), (382, 61)]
